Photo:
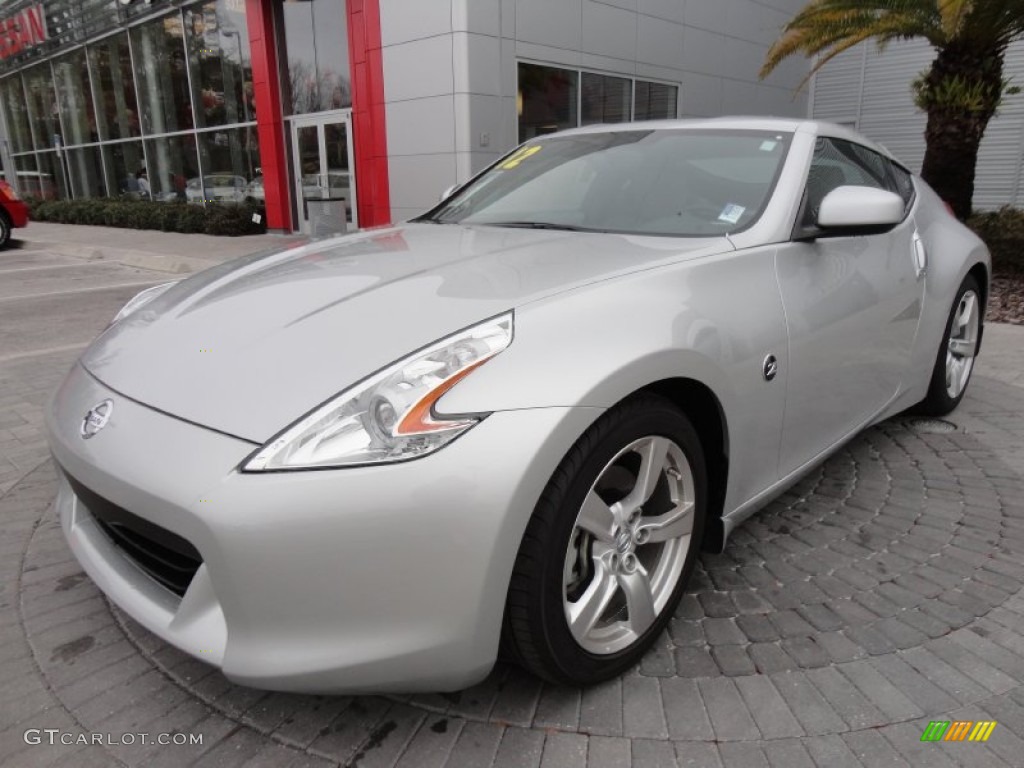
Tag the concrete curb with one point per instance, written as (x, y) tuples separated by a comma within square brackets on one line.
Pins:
[(168, 252), (160, 262)]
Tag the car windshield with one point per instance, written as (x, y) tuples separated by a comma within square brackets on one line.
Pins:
[(681, 183)]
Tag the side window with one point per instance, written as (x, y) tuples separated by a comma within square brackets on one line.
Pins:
[(835, 164), (872, 162), (904, 184), (896, 178)]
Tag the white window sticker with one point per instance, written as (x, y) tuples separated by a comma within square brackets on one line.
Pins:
[(769, 145), (731, 213)]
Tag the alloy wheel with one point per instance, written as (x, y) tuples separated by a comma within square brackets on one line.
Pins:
[(629, 545), (963, 343)]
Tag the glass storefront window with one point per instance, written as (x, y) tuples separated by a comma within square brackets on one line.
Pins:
[(117, 112), (16, 109), (315, 53), (29, 182), (172, 167), (85, 169), (605, 99), (231, 167), (547, 100), (72, 77), (655, 101), (162, 73), (218, 48), (42, 106), (125, 164), (53, 174)]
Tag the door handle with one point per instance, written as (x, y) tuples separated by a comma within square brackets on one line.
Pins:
[(920, 256)]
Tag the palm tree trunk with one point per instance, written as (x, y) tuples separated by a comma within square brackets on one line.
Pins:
[(956, 126)]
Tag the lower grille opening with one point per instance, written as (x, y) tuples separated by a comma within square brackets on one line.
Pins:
[(164, 556)]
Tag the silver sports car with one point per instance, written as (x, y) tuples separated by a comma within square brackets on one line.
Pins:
[(369, 463)]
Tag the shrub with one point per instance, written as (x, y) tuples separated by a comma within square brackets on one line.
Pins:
[(1003, 233), (215, 219)]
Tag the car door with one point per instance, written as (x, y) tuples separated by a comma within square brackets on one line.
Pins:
[(852, 308)]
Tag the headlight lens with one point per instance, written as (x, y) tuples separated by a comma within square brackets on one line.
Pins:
[(141, 299), (389, 416)]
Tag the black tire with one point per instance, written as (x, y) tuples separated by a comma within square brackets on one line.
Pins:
[(536, 634), (5, 230), (938, 401)]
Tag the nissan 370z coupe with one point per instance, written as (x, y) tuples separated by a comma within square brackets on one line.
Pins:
[(368, 463)]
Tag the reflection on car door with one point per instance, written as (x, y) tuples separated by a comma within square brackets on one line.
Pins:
[(852, 307)]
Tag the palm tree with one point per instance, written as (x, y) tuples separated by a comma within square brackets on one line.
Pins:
[(960, 92)]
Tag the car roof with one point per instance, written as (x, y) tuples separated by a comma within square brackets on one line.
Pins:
[(741, 123)]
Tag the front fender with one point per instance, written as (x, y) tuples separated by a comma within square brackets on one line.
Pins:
[(712, 320)]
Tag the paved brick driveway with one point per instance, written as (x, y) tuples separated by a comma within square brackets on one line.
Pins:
[(881, 593)]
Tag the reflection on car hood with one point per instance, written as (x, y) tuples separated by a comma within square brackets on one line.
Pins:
[(249, 346)]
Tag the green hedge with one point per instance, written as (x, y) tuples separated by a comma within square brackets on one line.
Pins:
[(215, 219), (1003, 232)]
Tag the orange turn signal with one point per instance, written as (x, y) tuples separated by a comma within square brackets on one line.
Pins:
[(418, 418)]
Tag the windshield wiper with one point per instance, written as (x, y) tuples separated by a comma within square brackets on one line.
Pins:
[(535, 225)]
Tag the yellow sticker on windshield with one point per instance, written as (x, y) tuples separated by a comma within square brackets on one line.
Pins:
[(519, 155)]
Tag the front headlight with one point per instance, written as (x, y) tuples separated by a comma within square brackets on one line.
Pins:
[(141, 299), (389, 416)]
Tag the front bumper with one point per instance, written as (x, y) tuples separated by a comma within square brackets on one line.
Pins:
[(388, 578)]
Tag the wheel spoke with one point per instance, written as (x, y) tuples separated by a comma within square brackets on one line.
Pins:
[(653, 454), (967, 308), (962, 347), (596, 518), (671, 525), (963, 369), (585, 612), (639, 600)]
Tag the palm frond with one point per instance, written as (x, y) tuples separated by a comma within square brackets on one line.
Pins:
[(825, 28)]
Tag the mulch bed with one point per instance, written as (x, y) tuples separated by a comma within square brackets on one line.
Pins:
[(1006, 304)]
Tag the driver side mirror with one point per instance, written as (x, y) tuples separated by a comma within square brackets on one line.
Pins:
[(849, 211)]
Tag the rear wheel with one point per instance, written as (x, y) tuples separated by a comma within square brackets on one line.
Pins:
[(610, 546), (955, 361)]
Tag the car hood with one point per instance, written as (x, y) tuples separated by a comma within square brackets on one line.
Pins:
[(250, 345)]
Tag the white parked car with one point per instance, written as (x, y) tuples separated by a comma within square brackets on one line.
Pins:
[(217, 188)]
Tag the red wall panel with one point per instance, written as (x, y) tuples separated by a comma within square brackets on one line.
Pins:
[(270, 125), (368, 115)]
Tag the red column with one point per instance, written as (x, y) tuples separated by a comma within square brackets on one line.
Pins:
[(269, 115), (369, 136)]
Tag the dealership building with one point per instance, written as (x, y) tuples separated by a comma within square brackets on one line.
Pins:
[(352, 113)]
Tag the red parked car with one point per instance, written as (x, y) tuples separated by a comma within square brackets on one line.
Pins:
[(13, 212)]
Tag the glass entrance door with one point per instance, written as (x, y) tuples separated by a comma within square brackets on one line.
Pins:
[(324, 185)]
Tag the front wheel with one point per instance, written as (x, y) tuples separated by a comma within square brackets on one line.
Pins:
[(955, 361), (5, 230), (610, 546)]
